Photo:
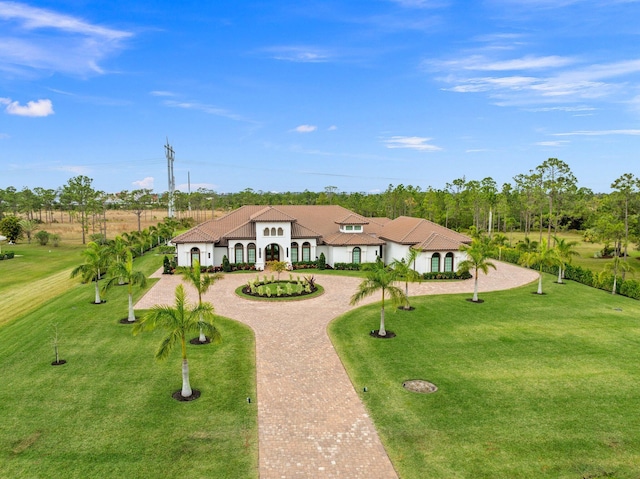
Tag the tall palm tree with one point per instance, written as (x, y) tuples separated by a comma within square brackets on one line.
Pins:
[(95, 263), (477, 260), (118, 251), (565, 252), (202, 283), (178, 321), (405, 272), (379, 278), (123, 271)]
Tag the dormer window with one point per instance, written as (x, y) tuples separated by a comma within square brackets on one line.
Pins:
[(351, 228)]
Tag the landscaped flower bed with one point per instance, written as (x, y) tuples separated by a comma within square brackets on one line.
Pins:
[(270, 287)]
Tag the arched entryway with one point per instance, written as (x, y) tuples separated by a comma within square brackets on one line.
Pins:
[(272, 252), (195, 255)]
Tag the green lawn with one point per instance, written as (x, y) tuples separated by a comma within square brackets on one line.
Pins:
[(108, 412), (529, 386)]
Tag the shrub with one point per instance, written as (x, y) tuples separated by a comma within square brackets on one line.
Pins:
[(322, 262), (42, 237), (347, 266), (55, 240), (446, 275), (226, 266)]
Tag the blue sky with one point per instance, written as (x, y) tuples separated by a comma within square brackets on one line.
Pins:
[(288, 96)]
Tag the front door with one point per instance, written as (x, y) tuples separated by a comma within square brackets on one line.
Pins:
[(272, 252)]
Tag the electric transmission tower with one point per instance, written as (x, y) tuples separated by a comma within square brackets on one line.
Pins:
[(172, 181)]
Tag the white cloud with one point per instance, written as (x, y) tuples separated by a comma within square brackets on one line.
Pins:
[(301, 54), (161, 93), (332, 128), (43, 40), (599, 133), (145, 183), (32, 108), (411, 142), (4, 136), (552, 143), (305, 128), (209, 109)]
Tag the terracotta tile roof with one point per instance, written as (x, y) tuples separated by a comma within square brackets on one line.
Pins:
[(271, 213), (413, 231), (344, 239), (353, 219), (437, 242)]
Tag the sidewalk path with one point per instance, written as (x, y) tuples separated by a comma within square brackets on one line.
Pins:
[(311, 421)]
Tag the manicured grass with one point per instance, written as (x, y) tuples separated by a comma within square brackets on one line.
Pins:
[(108, 412), (529, 386)]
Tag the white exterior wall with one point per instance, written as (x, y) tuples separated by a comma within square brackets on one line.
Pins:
[(207, 256)]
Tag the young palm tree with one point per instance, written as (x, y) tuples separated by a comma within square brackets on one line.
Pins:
[(379, 278), (123, 271), (95, 263), (118, 251), (405, 272), (178, 321), (477, 260), (617, 265), (565, 252), (201, 282), (544, 256)]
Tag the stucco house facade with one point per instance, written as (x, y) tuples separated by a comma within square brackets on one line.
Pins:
[(292, 233)]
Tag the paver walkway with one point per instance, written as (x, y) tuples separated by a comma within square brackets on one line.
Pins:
[(311, 422)]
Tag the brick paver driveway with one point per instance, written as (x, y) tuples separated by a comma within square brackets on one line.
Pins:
[(311, 421)]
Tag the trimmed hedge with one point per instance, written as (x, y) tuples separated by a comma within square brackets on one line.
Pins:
[(446, 275), (602, 280), (347, 266)]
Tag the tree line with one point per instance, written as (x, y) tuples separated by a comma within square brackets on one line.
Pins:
[(541, 202)]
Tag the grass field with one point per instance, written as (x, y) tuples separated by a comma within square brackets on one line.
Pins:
[(529, 386), (108, 412)]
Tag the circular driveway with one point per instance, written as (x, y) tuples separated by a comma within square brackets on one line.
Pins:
[(311, 421)]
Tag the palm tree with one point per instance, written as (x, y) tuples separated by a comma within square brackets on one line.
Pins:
[(201, 282), (379, 278), (618, 264), (565, 252), (123, 271), (527, 245), (406, 273), (544, 256), (178, 321), (95, 263), (118, 251), (477, 260), (499, 241)]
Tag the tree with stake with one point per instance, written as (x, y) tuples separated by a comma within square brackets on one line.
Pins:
[(95, 263), (123, 271), (202, 283), (477, 260), (178, 321), (379, 278)]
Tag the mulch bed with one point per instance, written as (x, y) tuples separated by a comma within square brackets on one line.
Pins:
[(195, 394), (375, 334), (197, 341), (477, 302), (126, 321), (60, 362)]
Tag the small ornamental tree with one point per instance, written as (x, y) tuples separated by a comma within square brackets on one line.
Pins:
[(322, 262), (10, 227), (277, 266), (226, 266)]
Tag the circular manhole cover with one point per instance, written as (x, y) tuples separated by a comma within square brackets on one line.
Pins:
[(420, 386)]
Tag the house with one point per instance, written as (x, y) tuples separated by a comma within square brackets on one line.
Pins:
[(256, 234)]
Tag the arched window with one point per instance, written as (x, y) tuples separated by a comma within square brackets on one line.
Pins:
[(280, 232), (448, 262), (355, 257), (273, 231), (266, 232), (239, 253), (306, 251), (435, 262), (294, 252), (251, 253), (195, 255)]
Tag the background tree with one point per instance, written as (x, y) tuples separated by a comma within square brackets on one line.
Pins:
[(557, 179), (625, 189), (10, 227), (178, 321), (79, 192), (379, 278), (477, 260)]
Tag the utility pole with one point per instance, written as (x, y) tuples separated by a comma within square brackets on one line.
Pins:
[(172, 181)]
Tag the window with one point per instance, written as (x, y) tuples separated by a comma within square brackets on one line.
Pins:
[(355, 257), (357, 228), (294, 252), (306, 251), (251, 253), (266, 232), (448, 262), (280, 232), (195, 255), (348, 228), (273, 231), (239, 253), (435, 263)]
